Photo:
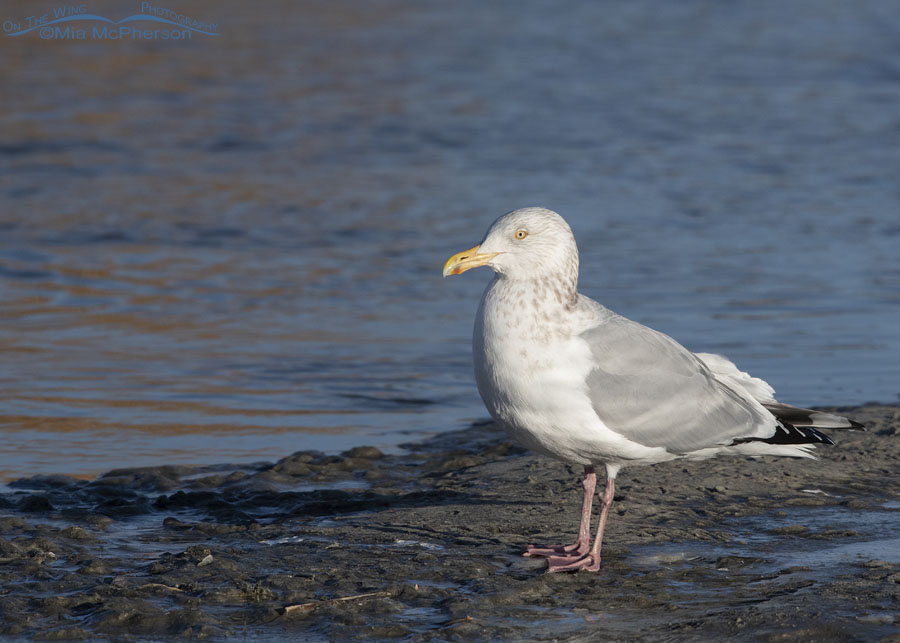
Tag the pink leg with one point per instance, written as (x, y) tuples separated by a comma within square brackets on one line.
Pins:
[(580, 547), (589, 562)]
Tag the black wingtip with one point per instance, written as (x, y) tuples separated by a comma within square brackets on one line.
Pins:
[(786, 433), (804, 418), (824, 439)]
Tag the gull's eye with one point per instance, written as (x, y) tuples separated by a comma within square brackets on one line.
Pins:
[(521, 234)]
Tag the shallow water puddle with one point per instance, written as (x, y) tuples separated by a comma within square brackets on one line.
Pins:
[(839, 535), (286, 540), (416, 543), (822, 539)]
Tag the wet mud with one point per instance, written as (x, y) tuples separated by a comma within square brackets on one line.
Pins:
[(425, 545)]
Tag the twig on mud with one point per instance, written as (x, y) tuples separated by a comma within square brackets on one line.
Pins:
[(307, 607), (160, 585)]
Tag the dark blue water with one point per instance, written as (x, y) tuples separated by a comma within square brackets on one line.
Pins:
[(230, 248)]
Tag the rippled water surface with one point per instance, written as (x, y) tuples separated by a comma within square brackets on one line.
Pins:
[(229, 249)]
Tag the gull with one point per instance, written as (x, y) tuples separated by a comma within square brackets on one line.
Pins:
[(570, 379)]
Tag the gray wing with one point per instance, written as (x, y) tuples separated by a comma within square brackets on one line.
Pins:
[(652, 390)]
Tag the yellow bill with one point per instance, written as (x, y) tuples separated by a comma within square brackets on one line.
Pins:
[(466, 260)]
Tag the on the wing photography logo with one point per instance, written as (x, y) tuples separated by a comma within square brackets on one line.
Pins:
[(73, 22)]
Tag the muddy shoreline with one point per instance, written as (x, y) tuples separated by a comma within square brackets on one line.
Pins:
[(425, 546)]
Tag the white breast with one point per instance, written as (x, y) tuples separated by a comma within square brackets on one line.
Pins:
[(531, 369)]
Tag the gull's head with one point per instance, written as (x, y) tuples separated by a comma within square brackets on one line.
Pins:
[(523, 244)]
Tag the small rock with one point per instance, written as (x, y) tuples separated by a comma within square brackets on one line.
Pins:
[(355, 464), (76, 533), (197, 553), (462, 462), (98, 522), (365, 452), (95, 568), (791, 530), (294, 465), (41, 556), (174, 523)]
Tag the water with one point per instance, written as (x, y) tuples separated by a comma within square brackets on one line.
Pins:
[(229, 249), (868, 535)]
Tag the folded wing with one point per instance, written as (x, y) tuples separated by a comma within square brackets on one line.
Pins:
[(652, 390)]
